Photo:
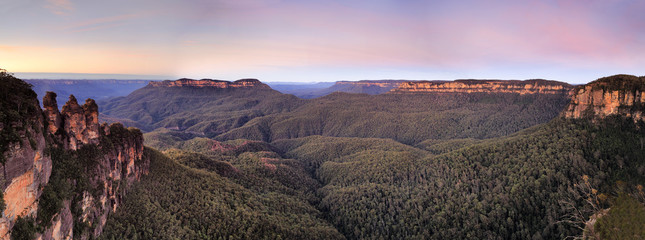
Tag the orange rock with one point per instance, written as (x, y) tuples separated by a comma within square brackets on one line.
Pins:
[(185, 82), (20, 195), (485, 86), (606, 96)]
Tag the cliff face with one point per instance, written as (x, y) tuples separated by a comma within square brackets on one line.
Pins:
[(485, 86), (185, 82), (81, 122), (120, 163), (62, 171), (25, 166), (619, 94)]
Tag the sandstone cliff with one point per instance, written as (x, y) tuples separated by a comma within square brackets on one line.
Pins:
[(185, 82), (62, 172), (485, 86), (619, 94), (25, 164)]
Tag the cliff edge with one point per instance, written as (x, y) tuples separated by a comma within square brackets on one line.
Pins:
[(618, 94), (186, 82), (485, 86)]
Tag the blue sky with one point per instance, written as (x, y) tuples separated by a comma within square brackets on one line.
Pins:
[(576, 41)]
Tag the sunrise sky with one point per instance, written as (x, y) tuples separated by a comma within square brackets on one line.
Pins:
[(575, 41)]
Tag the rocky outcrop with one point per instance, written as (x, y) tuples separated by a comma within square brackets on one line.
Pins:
[(81, 122), (122, 162), (185, 82), (619, 94), (485, 86), (104, 160), (52, 115)]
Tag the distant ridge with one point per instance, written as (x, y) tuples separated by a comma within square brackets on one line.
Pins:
[(533, 86), (375, 87), (371, 87), (186, 82), (88, 88)]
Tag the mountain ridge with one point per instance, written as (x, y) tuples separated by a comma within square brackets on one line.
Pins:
[(486, 86), (187, 82)]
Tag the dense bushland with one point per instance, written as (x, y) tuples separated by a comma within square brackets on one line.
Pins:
[(176, 201)]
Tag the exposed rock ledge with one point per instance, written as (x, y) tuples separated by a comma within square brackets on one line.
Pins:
[(619, 94), (485, 86), (185, 82)]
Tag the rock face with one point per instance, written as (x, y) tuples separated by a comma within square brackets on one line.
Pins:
[(81, 122), (112, 159), (27, 167), (619, 94), (185, 82), (485, 86), (52, 115)]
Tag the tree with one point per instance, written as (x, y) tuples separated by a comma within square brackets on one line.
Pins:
[(584, 206)]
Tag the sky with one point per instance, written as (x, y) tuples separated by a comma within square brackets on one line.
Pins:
[(575, 41)]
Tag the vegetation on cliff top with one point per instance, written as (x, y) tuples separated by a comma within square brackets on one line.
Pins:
[(620, 82), (19, 105), (542, 82)]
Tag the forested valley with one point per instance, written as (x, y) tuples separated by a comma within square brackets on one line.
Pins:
[(514, 187)]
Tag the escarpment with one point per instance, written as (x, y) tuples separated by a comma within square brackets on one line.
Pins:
[(185, 82), (618, 94), (63, 173), (485, 86), (25, 164)]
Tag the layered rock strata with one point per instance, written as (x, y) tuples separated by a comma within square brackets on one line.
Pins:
[(485, 86), (619, 94), (185, 82)]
